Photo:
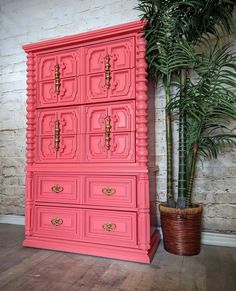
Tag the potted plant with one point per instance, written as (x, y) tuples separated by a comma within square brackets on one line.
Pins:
[(198, 75)]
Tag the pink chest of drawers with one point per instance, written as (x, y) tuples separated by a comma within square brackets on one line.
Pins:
[(87, 182)]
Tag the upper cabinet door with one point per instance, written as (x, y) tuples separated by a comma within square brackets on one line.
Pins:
[(121, 117), (58, 79), (109, 71), (109, 132), (121, 54), (95, 59), (58, 135)]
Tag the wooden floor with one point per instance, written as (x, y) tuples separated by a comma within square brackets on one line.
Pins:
[(30, 269)]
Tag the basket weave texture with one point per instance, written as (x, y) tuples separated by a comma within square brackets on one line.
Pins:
[(182, 230)]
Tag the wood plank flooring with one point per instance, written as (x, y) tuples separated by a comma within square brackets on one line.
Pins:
[(28, 269)]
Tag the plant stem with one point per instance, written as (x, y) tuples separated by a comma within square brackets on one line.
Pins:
[(169, 145), (182, 179), (191, 175)]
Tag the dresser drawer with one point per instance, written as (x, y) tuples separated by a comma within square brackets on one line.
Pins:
[(110, 227), (56, 222), (114, 191), (57, 188)]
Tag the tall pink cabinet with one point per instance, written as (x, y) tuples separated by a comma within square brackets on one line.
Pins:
[(87, 181)]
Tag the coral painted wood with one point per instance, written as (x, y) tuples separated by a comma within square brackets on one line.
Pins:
[(87, 181)]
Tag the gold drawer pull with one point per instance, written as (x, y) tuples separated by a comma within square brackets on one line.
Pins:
[(107, 132), (109, 226), (57, 188), (57, 79), (56, 221), (57, 135), (107, 71), (108, 191)]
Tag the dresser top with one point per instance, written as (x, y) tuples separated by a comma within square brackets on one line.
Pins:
[(127, 28)]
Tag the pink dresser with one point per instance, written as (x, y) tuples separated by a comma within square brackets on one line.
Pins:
[(87, 181)]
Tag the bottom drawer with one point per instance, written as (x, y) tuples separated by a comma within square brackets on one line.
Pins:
[(56, 222), (110, 227)]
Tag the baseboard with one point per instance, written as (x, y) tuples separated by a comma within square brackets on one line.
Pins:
[(215, 239), (219, 239), (12, 219), (208, 238)]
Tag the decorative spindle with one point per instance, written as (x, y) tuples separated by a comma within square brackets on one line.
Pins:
[(30, 129), (30, 140), (141, 107)]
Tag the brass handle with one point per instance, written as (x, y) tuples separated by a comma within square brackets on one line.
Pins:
[(109, 226), (107, 71), (57, 79), (107, 132), (57, 188), (57, 135), (57, 221), (108, 191)]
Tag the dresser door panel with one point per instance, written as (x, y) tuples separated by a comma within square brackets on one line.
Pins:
[(94, 117), (59, 189), (110, 227), (46, 139), (46, 67), (47, 94), (95, 59), (68, 148), (95, 88), (95, 150), (46, 148), (122, 147), (69, 129), (115, 191), (122, 116), (46, 122), (122, 85), (68, 92), (122, 54), (67, 64), (69, 121), (56, 222), (68, 89)]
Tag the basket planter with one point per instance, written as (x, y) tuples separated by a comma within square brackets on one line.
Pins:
[(181, 229)]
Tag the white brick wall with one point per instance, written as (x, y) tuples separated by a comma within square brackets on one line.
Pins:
[(26, 21)]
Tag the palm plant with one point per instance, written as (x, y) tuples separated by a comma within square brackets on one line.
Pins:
[(173, 31), (210, 104)]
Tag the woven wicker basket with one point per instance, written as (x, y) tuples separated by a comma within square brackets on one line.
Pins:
[(181, 229)]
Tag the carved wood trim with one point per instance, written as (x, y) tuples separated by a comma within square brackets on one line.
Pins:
[(116, 30), (30, 129), (141, 102)]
